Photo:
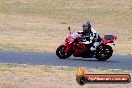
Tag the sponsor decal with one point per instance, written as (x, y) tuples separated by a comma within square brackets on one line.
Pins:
[(82, 78)]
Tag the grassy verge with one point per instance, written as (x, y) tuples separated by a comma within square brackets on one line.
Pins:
[(41, 25), (42, 76)]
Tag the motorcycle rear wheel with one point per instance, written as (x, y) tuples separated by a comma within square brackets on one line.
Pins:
[(60, 52), (104, 54)]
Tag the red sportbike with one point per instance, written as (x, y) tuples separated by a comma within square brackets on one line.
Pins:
[(72, 46)]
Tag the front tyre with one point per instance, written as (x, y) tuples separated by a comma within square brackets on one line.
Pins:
[(60, 52), (104, 53)]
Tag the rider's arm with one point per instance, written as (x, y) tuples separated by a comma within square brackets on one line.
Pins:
[(87, 42), (79, 32)]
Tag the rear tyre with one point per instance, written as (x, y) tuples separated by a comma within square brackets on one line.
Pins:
[(104, 53), (60, 52)]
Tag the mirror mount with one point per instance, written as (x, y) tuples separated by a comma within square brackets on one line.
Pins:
[(69, 28)]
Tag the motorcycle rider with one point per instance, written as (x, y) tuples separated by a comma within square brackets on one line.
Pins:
[(90, 37)]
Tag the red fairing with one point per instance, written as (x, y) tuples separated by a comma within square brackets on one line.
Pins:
[(105, 41), (66, 45), (82, 49), (69, 43)]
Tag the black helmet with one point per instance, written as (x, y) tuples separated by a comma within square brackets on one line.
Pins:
[(86, 26)]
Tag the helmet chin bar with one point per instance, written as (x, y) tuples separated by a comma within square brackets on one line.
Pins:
[(86, 29)]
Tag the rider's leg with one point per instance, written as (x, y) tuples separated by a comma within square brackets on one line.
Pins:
[(95, 45)]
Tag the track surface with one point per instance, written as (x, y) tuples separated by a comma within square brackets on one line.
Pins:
[(20, 57)]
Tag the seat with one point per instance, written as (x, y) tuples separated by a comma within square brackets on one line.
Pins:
[(109, 37)]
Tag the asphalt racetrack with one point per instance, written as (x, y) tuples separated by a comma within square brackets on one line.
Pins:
[(49, 58)]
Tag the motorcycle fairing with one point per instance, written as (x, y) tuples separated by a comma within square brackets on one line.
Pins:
[(109, 39)]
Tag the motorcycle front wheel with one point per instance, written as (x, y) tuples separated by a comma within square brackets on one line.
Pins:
[(60, 52)]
